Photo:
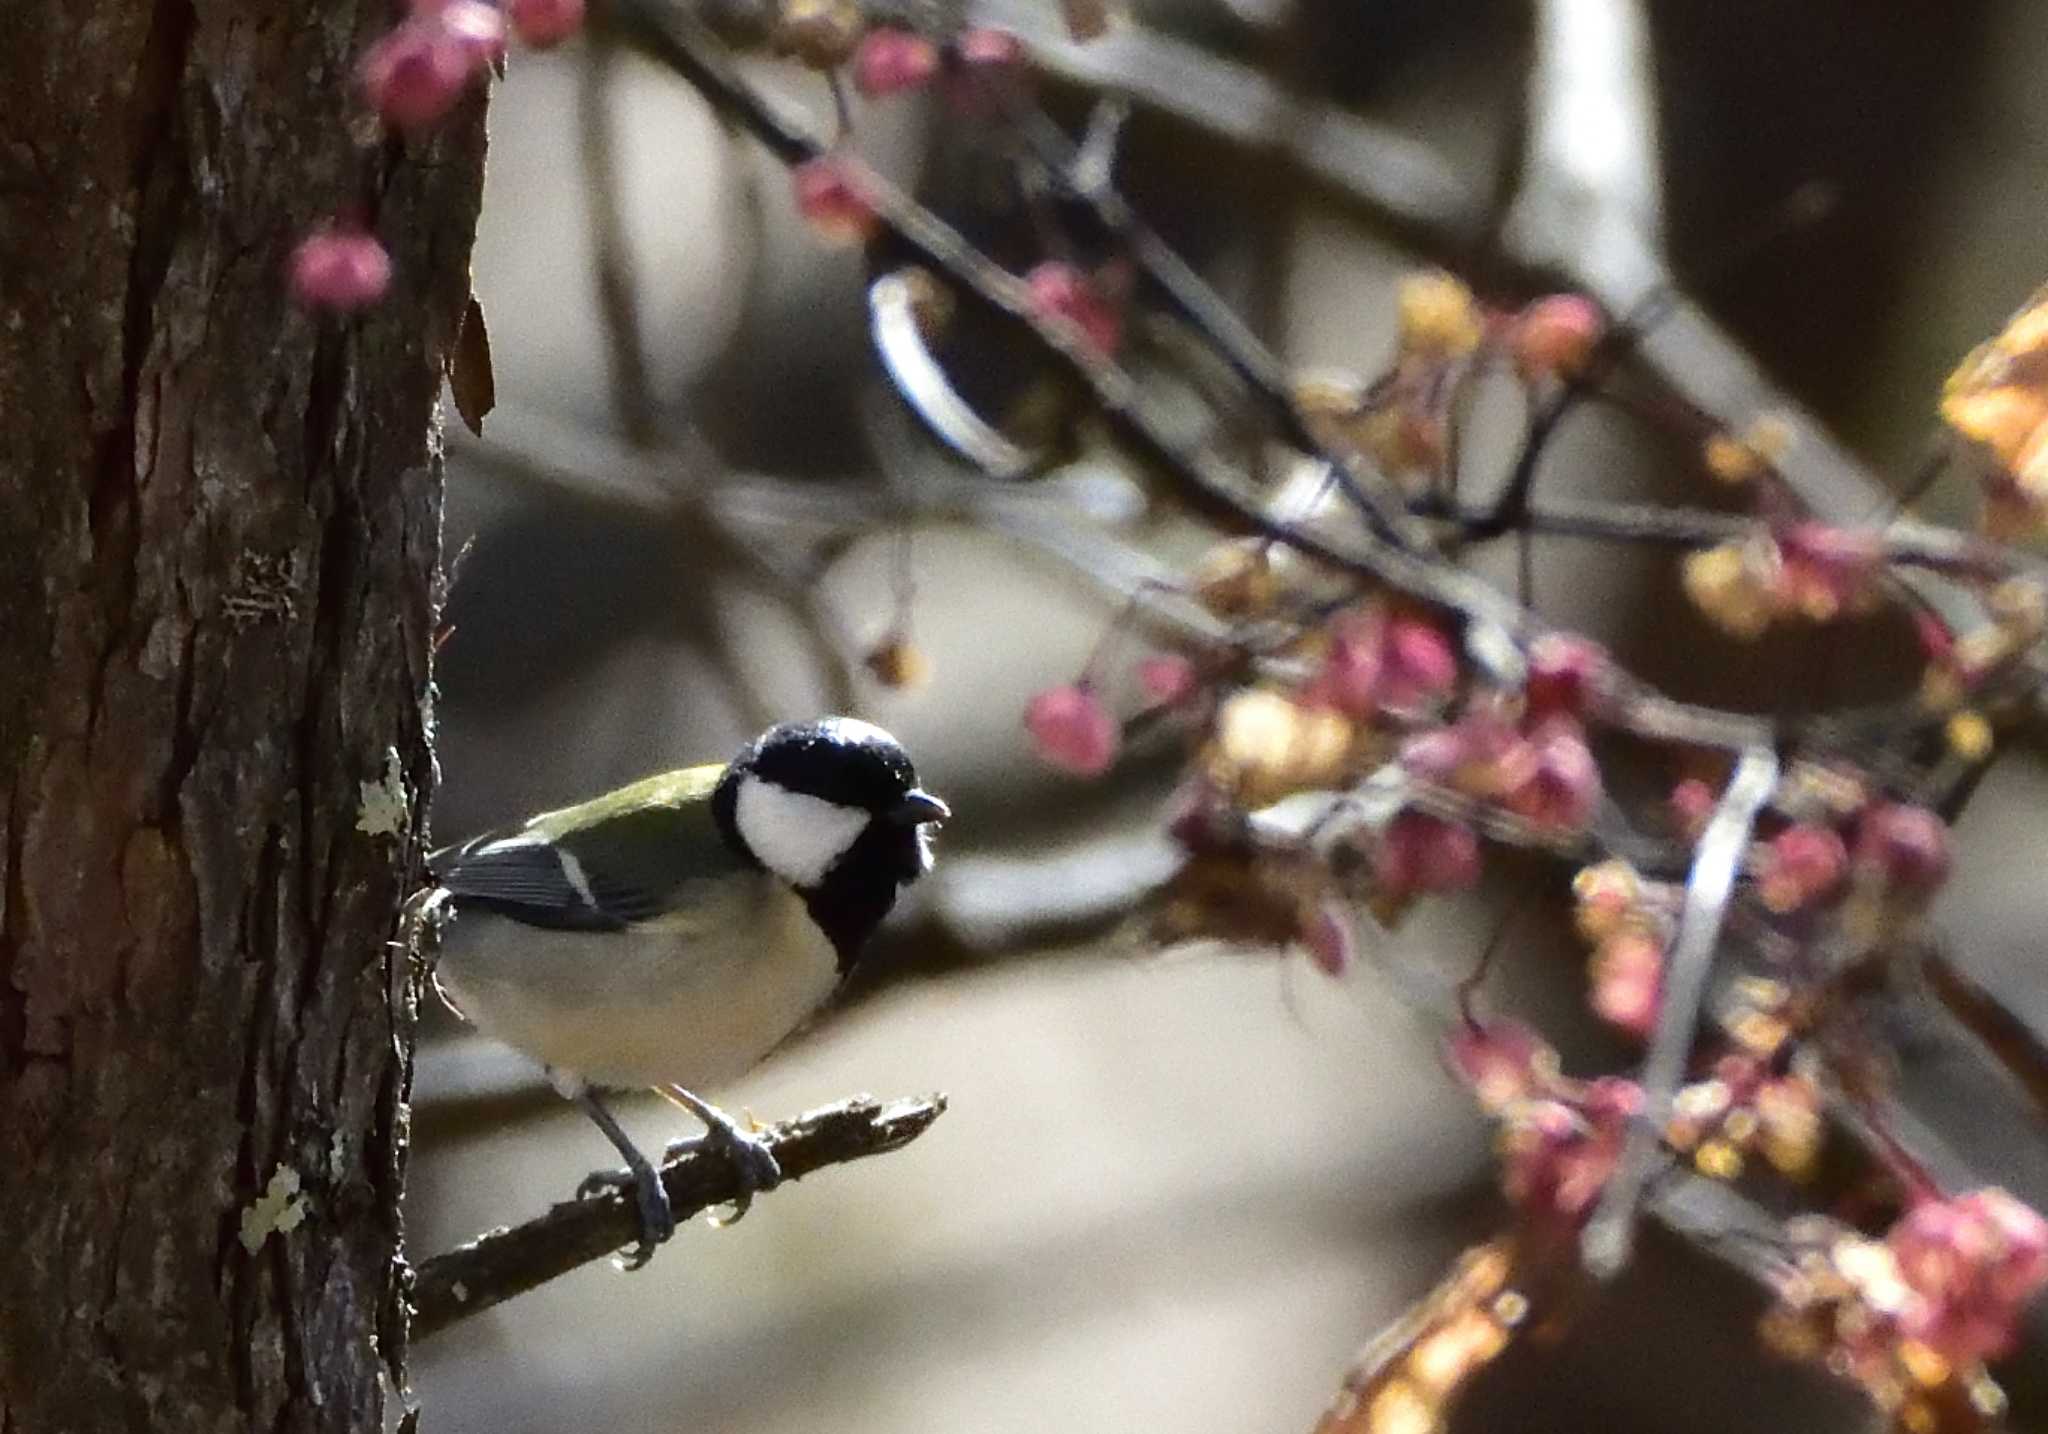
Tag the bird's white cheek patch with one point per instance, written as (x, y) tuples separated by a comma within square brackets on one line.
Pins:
[(797, 837)]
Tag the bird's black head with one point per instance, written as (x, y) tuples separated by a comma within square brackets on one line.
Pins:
[(833, 808)]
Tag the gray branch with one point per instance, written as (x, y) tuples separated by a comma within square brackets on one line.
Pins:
[(496, 1266), (1610, 1233)]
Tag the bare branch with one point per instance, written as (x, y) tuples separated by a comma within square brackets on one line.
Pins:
[(2015, 1046), (1590, 192), (494, 1267), (1611, 1232), (617, 283), (1402, 180)]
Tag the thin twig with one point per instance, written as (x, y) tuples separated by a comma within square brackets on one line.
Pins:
[(2013, 1044), (1401, 179), (617, 285), (494, 1267), (1610, 1234)]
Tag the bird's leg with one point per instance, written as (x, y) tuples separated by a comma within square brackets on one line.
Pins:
[(657, 1220), (753, 1162)]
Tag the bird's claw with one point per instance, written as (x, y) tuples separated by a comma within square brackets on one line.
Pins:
[(650, 1200), (755, 1167)]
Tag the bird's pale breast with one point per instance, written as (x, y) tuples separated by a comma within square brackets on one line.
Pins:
[(695, 999)]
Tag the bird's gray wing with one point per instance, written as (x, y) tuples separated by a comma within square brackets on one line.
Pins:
[(614, 869)]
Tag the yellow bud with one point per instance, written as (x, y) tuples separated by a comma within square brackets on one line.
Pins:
[(1927, 1369), (1730, 459), (1439, 317), (1724, 587), (1718, 1160), (1267, 746), (1969, 736), (1607, 897)]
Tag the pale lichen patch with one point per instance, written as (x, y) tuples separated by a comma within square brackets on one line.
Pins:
[(280, 1209), (384, 810)]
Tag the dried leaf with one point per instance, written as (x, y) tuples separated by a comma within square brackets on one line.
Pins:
[(1998, 396), (469, 370), (1407, 1380)]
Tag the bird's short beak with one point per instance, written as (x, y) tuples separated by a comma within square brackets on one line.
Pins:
[(919, 807)]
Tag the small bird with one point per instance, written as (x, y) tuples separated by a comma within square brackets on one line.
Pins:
[(671, 933)]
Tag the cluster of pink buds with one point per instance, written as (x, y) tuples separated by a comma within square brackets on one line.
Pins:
[(1913, 1317), (1419, 853), (1801, 868), (1558, 1152), (1628, 921), (1559, 1138), (413, 77), (1902, 852), (1973, 1263), (1542, 773), (1744, 1105), (1379, 661), (1806, 571)]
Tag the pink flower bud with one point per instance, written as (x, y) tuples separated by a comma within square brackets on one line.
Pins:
[(1555, 336), (986, 47), (1327, 937), (1168, 679), (1935, 638), (990, 75), (1692, 805), (339, 267), (1436, 756), (1349, 678), (477, 25), (1824, 571), (1073, 730), (1202, 819), (1419, 852), (836, 211), (890, 61), (1801, 867), (1418, 667), (544, 23), (1556, 1160), (1058, 288), (1905, 847), (415, 74), (1502, 1061), (1563, 791), (1628, 982), (1973, 1262), (1564, 673)]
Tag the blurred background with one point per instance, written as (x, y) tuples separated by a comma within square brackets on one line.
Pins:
[(1179, 1190)]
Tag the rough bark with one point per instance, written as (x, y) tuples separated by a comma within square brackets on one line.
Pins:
[(219, 527)]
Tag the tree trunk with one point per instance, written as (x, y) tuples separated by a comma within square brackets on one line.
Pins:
[(219, 533)]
